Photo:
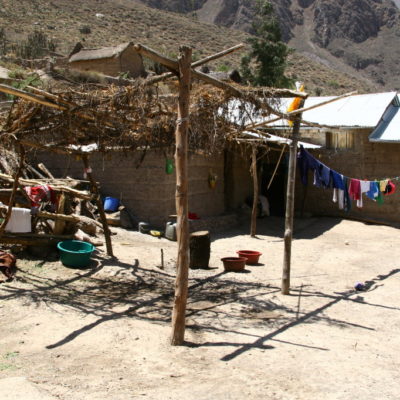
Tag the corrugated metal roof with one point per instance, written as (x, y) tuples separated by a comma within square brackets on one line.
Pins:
[(358, 111), (96, 54), (388, 129)]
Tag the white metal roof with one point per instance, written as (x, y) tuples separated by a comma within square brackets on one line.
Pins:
[(388, 129), (281, 140), (358, 111)]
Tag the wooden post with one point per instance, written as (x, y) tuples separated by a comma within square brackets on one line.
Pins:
[(14, 189), (290, 204), (95, 191), (254, 172), (181, 195)]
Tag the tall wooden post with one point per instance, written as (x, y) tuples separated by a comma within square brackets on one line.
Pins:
[(253, 228), (181, 196), (96, 192), (290, 204)]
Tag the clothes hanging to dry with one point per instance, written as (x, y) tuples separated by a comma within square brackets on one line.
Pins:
[(345, 189)]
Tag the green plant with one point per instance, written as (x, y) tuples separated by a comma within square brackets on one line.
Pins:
[(265, 63), (3, 42), (223, 68), (333, 84), (37, 45), (85, 29), (24, 82)]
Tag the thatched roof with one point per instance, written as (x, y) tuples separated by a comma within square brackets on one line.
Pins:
[(97, 54)]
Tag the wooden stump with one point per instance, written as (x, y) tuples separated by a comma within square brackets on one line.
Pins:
[(199, 244)]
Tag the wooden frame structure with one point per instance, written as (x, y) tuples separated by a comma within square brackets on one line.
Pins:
[(183, 69)]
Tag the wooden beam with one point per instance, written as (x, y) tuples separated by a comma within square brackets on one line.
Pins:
[(290, 193), (55, 187), (254, 172), (28, 96), (198, 63), (277, 92), (42, 167), (43, 101), (14, 189), (173, 65), (291, 114), (181, 195)]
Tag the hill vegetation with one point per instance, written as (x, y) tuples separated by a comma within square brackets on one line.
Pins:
[(111, 22), (357, 37)]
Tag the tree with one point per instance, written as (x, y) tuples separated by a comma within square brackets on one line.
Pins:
[(265, 63)]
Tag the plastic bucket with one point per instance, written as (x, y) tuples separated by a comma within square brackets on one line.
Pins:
[(111, 204), (251, 256), (74, 253)]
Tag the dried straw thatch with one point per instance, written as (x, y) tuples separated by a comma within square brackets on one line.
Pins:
[(132, 117)]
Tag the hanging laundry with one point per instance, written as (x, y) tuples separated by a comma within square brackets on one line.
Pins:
[(337, 180), (346, 195), (390, 188), (39, 194), (322, 175), (383, 184), (364, 188), (373, 192), (305, 162), (355, 189)]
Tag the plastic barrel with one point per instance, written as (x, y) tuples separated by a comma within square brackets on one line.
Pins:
[(111, 204)]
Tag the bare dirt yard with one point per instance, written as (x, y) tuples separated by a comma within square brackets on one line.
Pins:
[(103, 332)]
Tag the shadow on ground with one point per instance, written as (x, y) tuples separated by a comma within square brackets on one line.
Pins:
[(218, 303)]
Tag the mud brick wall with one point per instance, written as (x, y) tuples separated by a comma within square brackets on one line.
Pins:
[(368, 161), (239, 183), (148, 191)]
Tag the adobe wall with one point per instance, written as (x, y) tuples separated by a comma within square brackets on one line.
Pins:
[(238, 180), (148, 191), (370, 161), (108, 66), (131, 61)]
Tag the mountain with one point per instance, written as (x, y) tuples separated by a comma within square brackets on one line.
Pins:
[(98, 23), (357, 37)]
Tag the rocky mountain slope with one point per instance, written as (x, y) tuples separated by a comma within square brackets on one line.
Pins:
[(125, 20), (357, 37)]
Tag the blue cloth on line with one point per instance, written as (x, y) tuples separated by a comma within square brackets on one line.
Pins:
[(305, 162), (337, 180), (373, 192), (322, 175)]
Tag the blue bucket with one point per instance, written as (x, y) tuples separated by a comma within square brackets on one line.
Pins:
[(111, 204)]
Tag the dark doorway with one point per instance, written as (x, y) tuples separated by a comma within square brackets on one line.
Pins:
[(276, 192)]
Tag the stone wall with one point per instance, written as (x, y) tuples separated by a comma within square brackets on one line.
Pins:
[(147, 191), (368, 161)]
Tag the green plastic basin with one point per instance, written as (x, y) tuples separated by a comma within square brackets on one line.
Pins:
[(74, 253)]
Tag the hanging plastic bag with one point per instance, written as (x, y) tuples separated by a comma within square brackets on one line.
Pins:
[(169, 166)]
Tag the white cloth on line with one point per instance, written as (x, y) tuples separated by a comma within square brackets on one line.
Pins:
[(20, 221)]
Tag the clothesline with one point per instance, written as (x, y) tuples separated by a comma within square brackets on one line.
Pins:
[(345, 189)]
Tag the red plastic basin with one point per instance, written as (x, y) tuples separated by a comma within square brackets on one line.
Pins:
[(234, 263), (251, 256)]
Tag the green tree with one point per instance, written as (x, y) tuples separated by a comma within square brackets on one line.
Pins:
[(265, 63)]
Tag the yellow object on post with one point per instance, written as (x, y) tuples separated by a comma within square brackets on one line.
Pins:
[(294, 105)]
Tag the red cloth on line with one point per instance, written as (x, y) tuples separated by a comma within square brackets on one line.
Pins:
[(43, 193), (355, 189)]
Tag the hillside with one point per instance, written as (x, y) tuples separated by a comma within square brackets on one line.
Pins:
[(125, 20), (356, 37)]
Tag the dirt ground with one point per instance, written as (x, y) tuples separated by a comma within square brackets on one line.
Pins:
[(103, 332)]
